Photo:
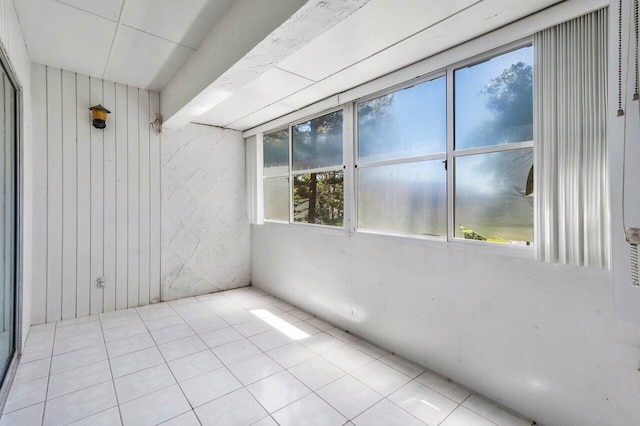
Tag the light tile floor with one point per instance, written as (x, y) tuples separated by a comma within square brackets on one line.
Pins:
[(240, 357)]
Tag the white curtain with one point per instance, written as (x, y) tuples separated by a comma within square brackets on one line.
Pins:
[(571, 142)]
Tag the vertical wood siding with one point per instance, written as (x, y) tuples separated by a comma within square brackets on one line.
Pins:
[(96, 197)]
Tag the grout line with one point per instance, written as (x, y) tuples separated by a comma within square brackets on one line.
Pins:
[(46, 393)]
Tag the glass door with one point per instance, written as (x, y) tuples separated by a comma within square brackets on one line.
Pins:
[(8, 208)]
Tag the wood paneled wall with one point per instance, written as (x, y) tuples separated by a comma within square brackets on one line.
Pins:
[(96, 197)]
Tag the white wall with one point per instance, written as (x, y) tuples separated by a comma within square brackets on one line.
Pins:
[(205, 237), (627, 297), (96, 204), (539, 338), (549, 341), (12, 44)]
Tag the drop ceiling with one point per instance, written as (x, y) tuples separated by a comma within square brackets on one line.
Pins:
[(142, 43), (324, 48)]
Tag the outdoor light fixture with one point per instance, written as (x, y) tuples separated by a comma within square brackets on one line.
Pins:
[(99, 116)]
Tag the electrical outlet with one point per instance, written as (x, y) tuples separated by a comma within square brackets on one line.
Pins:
[(632, 235), (101, 282)]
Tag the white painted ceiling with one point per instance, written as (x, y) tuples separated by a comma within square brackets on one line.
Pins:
[(145, 43), (380, 37), (142, 43)]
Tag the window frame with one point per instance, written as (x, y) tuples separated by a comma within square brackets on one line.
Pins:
[(346, 126), (351, 160), (403, 160), (286, 175)]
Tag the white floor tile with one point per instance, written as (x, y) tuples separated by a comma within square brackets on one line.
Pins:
[(381, 378), (155, 407), (236, 351), (78, 378), (462, 416), (254, 327), (123, 332), (270, 339), (404, 366), (78, 330), (490, 411), (342, 335), (163, 322), (194, 365), (301, 314), (110, 417), (278, 391), (79, 342), (349, 396), (131, 319), (369, 348), (237, 408), (209, 386), (70, 360), (142, 382), (238, 317), (322, 343), (23, 395), (347, 358), (253, 369), (74, 321), (292, 354), (32, 371), (136, 361), (129, 345), (36, 352), (319, 324), (181, 348), (312, 409), (267, 421), (316, 373), (30, 416), (386, 413), (445, 386), (80, 404), (210, 359), (306, 328), (206, 325), (187, 419), (221, 337), (423, 402), (169, 334)]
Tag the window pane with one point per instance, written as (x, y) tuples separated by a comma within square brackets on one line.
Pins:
[(494, 196), (276, 198), (318, 142), (405, 198), (406, 123), (319, 198), (494, 101), (275, 148)]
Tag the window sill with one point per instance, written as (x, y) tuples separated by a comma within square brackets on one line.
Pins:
[(493, 249)]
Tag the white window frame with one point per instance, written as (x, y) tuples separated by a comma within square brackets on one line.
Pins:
[(403, 160), (286, 175), (350, 156)]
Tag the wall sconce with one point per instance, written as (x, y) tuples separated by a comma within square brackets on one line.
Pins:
[(99, 116)]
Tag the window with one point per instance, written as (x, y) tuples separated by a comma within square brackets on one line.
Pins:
[(401, 179), (312, 189), (276, 175), (493, 149), (448, 156)]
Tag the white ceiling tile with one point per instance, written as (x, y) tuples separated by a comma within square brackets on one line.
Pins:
[(267, 89), (269, 113), (62, 36), (142, 60), (109, 9), (173, 20), (378, 25)]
